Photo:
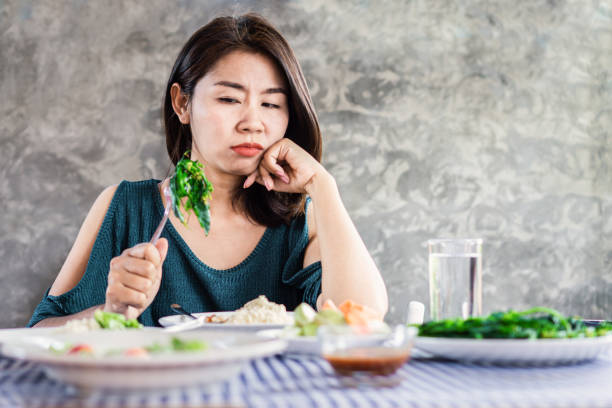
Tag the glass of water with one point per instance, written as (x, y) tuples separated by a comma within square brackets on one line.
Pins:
[(455, 278)]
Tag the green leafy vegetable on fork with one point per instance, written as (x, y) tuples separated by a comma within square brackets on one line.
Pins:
[(534, 323), (189, 181)]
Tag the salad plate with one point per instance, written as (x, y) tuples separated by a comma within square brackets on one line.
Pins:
[(203, 321), (516, 351), (118, 358)]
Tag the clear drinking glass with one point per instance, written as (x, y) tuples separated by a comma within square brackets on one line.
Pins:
[(455, 278)]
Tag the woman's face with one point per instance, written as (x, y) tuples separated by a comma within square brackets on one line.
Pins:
[(238, 110)]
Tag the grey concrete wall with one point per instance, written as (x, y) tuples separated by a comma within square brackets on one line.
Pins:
[(440, 118)]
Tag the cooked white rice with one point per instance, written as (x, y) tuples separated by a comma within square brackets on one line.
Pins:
[(81, 325), (260, 310)]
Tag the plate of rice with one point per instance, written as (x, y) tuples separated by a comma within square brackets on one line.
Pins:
[(256, 314)]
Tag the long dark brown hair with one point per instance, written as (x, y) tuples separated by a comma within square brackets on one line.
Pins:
[(206, 46)]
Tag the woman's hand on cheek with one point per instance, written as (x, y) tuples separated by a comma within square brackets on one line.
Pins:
[(285, 167), (134, 278)]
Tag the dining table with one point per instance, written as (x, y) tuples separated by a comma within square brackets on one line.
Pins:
[(294, 380)]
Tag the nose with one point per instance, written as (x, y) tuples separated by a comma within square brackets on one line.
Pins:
[(251, 121)]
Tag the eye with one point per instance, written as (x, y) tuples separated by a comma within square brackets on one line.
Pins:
[(270, 105), (228, 100)]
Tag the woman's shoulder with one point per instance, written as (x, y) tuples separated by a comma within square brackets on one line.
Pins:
[(132, 189), (137, 186), (130, 186), (118, 195)]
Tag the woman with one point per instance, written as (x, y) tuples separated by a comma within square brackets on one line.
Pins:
[(237, 100)]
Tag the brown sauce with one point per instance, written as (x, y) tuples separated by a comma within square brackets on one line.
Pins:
[(377, 361)]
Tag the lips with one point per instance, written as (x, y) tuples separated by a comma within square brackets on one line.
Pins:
[(248, 149)]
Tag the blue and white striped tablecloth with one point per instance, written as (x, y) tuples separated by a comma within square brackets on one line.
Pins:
[(309, 382)]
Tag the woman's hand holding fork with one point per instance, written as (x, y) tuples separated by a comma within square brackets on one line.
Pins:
[(134, 278)]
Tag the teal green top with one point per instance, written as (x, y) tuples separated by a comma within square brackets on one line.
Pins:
[(274, 268)]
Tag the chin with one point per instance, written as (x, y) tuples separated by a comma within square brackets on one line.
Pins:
[(243, 171)]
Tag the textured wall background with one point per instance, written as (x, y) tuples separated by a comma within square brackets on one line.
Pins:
[(440, 119)]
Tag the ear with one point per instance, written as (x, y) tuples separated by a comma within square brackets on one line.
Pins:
[(180, 103)]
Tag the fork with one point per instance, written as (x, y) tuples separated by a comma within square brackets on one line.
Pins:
[(179, 309), (167, 207)]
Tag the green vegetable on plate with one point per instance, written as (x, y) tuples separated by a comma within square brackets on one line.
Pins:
[(188, 345), (307, 320), (178, 345), (534, 323)]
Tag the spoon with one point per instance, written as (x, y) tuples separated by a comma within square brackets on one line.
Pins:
[(179, 309)]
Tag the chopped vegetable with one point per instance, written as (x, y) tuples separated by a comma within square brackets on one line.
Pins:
[(175, 345), (136, 352), (329, 317), (304, 314), (156, 348), (356, 314), (534, 323), (307, 320), (178, 345), (189, 181), (60, 348), (81, 349), (188, 345), (113, 321)]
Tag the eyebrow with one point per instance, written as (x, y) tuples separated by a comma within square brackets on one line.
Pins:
[(240, 87)]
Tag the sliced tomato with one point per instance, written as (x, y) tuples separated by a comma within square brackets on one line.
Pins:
[(81, 348), (136, 352)]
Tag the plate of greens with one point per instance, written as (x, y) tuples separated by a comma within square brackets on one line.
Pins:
[(538, 336), (140, 358)]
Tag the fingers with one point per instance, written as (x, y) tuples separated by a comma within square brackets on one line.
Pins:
[(134, 278), (250, 180), (120, 296), (266, 178), (146, 251), (162, 247), (134, 275), (268, 169), (270, 162), (140, 267), (135, 282), (272, 159), (131, 312)]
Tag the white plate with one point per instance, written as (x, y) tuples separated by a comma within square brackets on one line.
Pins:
[(173, 320), (295, 344), (516, 351), (227, 353)]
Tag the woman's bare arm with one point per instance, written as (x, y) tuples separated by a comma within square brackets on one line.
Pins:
[(349, 272), (74, 267), (62, 320)]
